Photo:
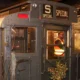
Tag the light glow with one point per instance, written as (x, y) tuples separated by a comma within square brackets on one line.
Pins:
[(13, 30), (59, 52), (23, 16), (1, 20)]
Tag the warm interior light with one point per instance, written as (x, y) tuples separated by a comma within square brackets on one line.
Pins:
[(23, 16), (13, 30), (59, 52), (1, 20)]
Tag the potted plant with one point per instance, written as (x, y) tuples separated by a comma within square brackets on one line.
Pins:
[(58, 72)]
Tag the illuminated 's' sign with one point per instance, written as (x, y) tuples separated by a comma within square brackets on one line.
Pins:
[(60, 12), (47, 11)]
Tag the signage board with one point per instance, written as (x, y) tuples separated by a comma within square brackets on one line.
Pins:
[(62, 12), (47, 11)]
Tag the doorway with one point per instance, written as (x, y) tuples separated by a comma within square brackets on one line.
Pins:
[(56, 48)]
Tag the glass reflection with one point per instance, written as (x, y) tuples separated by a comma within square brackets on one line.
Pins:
[(23, 39)]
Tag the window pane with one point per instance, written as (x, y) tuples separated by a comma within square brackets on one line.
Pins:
[(54, 37), (77, 40), (55, 44), (23, 40)]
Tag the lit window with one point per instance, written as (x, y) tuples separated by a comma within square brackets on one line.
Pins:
[(55, 44)]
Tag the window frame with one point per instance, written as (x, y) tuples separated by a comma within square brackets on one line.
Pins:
[(27, 44), (65, 44)]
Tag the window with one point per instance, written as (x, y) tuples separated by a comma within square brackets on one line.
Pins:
[(55, 45), (23, 39), (77, 40)]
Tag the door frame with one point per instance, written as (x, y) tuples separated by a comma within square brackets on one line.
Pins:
[(63, 28)]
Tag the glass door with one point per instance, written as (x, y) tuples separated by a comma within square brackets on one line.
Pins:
[(23, 42), (56, 51)]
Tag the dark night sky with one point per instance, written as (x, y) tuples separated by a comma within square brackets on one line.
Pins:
[(6, 3), (70, 2)]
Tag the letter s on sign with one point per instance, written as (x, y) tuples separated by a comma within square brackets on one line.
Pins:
[(47, 9)]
